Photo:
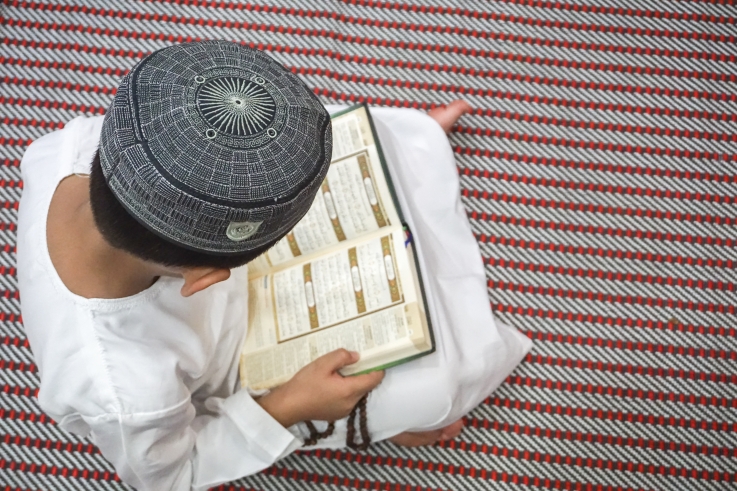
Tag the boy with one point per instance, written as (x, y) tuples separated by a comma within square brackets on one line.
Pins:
[(134, 302)]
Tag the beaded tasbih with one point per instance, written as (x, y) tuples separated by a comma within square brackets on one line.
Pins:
[(318, 435), (350, 439)]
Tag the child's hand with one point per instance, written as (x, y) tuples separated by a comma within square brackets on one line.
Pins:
[(319, 392)]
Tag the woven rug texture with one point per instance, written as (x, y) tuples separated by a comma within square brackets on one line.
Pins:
[(599, 172)]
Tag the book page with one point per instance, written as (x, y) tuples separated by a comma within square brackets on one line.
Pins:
[(335, 288), (354, 200), (363, 298), (374, 333), (342, 278), (351, 133), (261, 321), (347, 206), (259, 266)]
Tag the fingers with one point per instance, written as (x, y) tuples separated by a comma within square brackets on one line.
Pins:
[(358, 385), (361, 384), (448, 115), (335, 360), (459, 107), (452, 430), (416, 439)]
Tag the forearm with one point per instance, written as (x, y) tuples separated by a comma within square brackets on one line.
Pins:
[(280, 406), (174, 450)]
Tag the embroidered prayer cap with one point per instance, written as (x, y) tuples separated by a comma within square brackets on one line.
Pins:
[(215, 147)]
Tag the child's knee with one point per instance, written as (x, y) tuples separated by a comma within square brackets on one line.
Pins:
[(410, 399)]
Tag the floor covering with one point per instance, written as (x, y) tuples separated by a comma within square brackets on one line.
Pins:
[(599, 172)]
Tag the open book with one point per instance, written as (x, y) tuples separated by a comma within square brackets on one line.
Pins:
[(345, 277)]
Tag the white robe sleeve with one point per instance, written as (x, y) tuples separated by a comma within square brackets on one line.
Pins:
[(174, 450), (92, 358)]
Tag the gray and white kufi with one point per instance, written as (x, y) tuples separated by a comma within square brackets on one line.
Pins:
[(215, 146)]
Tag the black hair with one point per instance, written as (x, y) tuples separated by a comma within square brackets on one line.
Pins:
[(124, 232)]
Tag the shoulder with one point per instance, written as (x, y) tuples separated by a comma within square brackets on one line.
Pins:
[(95, 357), (142, 343), (76, 142), (42, 151), (71, 365)]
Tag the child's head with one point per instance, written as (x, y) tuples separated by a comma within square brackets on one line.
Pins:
[(210, 153), (124, 232)]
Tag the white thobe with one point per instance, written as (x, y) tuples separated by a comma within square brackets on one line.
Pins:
[(152, 378)]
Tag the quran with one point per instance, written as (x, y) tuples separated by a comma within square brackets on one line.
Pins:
[(345, 277)]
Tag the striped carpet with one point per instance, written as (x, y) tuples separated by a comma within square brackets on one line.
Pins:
[(599, 171)]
